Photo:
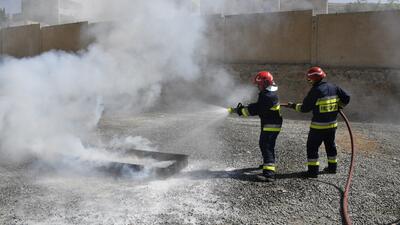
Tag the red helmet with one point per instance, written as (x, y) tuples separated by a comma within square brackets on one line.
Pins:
[(315, 74), (263, 79)]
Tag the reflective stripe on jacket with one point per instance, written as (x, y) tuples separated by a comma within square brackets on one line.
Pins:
[(324, 100)]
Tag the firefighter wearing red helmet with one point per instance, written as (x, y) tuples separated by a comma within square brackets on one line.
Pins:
[(267, 108), (324, 100)]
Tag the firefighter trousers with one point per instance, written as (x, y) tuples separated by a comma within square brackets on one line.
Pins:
[(315, 139), (267, 146)]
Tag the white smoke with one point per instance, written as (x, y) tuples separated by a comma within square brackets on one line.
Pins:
[(50, 104)]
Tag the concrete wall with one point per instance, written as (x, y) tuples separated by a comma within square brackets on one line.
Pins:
[(214, 43), (67, 37), (22, 41), (368, 39), (31, 40), (283, 37)]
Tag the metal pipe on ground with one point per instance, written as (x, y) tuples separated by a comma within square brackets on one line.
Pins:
[(167, 164)]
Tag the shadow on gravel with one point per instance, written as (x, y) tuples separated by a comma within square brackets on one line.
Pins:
[(245, 174)]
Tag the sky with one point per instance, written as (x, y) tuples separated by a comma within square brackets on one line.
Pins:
[(11, 6)]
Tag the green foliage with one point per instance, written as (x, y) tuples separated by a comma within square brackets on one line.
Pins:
[(364, 5)]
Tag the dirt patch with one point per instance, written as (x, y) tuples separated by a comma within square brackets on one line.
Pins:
[(362, 143)]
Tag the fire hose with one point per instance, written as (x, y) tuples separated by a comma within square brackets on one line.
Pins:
[(345, 204), (350, 174)]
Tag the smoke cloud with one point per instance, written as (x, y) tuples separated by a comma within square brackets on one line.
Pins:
[(51, 104)]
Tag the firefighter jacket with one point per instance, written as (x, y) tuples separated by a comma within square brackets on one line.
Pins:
[(267, 108), (324, 100)]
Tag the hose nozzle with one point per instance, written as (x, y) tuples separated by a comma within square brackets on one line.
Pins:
[(235, 110), (231, 110)]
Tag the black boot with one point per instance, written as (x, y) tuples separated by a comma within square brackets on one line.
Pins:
[(312, 171), (332, 168), (267, 176)]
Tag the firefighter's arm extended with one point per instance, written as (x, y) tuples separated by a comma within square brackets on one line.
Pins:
[(240, 109), (253, 109), (307, 105)]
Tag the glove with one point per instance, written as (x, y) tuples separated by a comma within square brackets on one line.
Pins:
[(231, 110), (291, 105), (239, 108)]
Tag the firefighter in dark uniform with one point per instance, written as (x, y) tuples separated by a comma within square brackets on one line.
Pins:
[(324, 100), (267, 108)]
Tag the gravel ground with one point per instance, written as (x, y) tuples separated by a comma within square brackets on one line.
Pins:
[(218, 187)]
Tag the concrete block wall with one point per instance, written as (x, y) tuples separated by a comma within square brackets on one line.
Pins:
[(66, 37), (268, 37), (214, 41), (32, 40), (365, 39), (22, 41)]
